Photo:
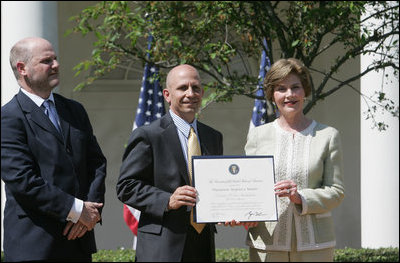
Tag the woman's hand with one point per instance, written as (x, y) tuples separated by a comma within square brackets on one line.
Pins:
[(238, 223), (288, 188)]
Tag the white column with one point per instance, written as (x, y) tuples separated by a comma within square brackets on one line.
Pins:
[(379, 165), (20, 19)]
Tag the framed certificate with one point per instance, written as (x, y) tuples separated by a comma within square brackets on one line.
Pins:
[(237, 188)]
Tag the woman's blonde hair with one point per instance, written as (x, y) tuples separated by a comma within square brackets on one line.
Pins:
[(280, 70)]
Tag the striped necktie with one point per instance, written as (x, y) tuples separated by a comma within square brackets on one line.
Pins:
[(193, 150)]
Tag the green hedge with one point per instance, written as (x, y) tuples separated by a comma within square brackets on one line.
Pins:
[(242, 255), (367, 255)]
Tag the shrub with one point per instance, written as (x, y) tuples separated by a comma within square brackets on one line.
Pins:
[(232, 255), (119, 255), (242, 255), (367, 255)]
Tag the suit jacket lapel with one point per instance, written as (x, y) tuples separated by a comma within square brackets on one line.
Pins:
[(37, 115), (172, 139), (203, 139)]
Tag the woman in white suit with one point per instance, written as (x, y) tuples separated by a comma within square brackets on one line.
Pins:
[(308, 170)]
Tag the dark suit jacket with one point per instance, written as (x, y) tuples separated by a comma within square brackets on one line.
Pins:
[(43, 171), (153, 168)]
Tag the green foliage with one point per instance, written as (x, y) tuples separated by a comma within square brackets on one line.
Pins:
[(224, 38), (119, 255), (128, 255), (242, 255), (367, 255), (382, 104), (232, 255)]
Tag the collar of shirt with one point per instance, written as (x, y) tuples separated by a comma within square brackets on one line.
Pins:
[(182, 125), (183, 130), (37, 99)]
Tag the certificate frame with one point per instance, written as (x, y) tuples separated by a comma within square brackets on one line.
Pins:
[(234, 188)]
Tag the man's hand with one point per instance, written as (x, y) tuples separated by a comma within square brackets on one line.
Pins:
[(184, 195), (90, 214), (74, 230)]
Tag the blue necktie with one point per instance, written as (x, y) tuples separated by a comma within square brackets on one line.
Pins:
[(51, 112)]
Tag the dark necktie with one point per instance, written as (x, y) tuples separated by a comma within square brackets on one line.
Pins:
[(50, 111)]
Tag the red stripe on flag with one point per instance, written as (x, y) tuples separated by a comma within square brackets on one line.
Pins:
[(131, 220)]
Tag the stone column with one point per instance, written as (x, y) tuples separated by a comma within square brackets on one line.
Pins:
[(379, 164)]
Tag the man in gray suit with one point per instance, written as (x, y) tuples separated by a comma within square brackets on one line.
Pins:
[(154, 175), (51, 164)]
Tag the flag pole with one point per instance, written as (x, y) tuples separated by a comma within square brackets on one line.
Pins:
[(150, 108)]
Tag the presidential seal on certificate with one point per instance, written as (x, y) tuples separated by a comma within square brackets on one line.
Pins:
[(237, 188)]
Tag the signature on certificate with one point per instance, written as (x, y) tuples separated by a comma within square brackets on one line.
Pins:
[(252, 214)]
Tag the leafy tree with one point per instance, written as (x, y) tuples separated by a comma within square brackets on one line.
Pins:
[(217, 36)]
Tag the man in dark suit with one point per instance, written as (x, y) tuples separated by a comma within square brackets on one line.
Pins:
[(51, 164), (154, 175)]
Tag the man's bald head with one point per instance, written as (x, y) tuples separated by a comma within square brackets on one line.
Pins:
[(184, 91), (177, 70), (22, 51)]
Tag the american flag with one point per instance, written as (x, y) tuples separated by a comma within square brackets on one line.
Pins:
[(150, 108), (259, 115)]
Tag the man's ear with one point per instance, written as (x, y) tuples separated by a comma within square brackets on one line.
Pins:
[(21, 68), (166, 95)]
